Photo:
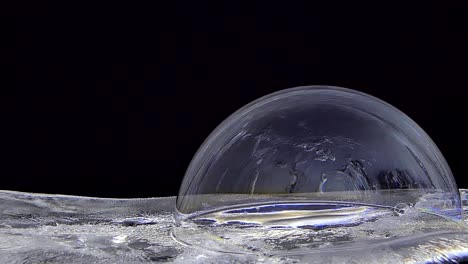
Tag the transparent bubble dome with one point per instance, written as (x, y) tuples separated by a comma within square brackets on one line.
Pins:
[(311, 168)]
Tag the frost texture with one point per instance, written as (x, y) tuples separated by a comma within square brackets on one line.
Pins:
[(65, 229)]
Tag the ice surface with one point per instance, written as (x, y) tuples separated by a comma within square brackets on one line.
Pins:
[(38, 228)]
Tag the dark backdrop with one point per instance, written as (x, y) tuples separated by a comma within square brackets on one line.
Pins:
[(113, 100)]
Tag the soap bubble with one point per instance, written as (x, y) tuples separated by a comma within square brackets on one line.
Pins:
[(312, 158)]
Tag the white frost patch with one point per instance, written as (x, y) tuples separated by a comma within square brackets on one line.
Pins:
[(119, 239)]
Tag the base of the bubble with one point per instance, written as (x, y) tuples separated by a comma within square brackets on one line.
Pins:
[(304, 227)]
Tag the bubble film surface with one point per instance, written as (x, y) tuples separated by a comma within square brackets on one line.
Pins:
[(313, 158)]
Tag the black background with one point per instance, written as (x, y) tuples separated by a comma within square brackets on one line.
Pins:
[(113, 100)]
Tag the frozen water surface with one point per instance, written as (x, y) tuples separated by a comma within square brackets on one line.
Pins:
[(38, 228)]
